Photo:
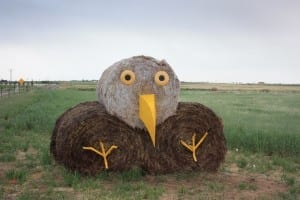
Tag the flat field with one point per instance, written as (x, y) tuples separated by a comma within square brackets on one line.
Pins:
[(261, 128)]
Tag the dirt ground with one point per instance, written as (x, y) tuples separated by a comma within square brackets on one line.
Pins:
[(227, 186), (231, 183)]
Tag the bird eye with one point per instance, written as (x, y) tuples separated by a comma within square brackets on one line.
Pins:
[(127, 77), (161, 78)]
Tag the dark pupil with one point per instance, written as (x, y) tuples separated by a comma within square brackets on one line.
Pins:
[(127, 77), (161, 78)]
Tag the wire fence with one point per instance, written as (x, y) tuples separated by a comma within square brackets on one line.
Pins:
[(9, 88)]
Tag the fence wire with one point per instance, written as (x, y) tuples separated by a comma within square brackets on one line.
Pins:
[(9, 88)]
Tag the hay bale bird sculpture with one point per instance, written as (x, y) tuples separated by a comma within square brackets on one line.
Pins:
[(138, 122)]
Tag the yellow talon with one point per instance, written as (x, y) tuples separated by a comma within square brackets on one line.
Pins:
[(194, 147), (102, 152)]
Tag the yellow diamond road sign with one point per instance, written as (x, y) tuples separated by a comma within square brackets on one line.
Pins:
[(21, 81)]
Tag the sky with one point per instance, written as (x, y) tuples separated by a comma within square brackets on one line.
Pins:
[(228, 41)]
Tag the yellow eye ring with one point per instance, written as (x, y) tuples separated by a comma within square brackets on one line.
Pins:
[(161, 78), (127, 77)]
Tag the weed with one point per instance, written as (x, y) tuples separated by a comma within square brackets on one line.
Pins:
[(294, 190), (30, 161), (258, 163), (134, 174), (50, 178), (45, 157), (49, 195), (7, 157), (182, 191), (88, 183), (252, 187), (127, 190), (287, 196), (290, 181), (103, 175), (1, 192), (214, 186), (242, 163), (27, 196), (242, 186), (71, 179), (185, 175), (29, 125), (247, 186), (160, 178), (284, 163), (24, 147), (7, 125), (18, 175), (149, 192)]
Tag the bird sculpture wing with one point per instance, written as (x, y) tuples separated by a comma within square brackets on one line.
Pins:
[(86, 128), (192, 120)]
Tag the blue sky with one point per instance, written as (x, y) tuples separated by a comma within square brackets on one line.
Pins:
[(214, 41)]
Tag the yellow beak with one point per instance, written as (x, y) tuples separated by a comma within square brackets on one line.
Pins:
[(147, 112)]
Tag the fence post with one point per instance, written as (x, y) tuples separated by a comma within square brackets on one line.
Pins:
[(19, 89), (7, 88), (14, 87)]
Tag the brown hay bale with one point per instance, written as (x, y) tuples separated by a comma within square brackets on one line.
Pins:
[(170, 156), (87, 123)]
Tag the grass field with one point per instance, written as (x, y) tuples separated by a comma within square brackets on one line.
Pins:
[(256, 121), (262, 131)]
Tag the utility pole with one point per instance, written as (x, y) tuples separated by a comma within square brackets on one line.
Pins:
[(10, 72)]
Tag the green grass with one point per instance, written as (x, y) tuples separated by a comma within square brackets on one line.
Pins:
[(1, 192), (215, 186), (286, 164), (127, 185), (265, 123), (30, 118), (242, 163), (137, 190), (45, 157), (247, 186), (255, 121), (71, 179), (134, 174), (17, 175), (7, 157)]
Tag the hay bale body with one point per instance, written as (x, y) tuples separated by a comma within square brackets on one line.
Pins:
[(88, 123)]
